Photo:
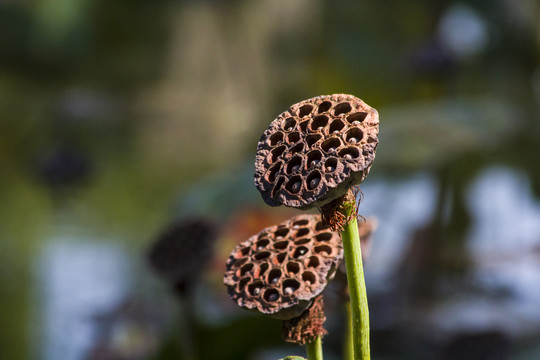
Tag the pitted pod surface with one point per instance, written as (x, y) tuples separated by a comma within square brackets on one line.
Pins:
[(313, 152), (283, 268)]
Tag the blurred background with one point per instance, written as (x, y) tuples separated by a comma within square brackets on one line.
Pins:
[(120, 119)]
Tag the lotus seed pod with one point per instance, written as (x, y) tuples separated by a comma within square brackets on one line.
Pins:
[(182, 250), (313, 152), (283, 268)]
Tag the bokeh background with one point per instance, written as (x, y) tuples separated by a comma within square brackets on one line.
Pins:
[(120, 118)]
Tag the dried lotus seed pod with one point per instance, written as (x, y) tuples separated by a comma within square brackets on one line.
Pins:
[(313, 152), (283, 268), (182, 250)]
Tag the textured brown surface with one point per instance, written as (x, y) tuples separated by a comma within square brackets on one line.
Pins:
[(280, 270), (313, 152), (308, 326)]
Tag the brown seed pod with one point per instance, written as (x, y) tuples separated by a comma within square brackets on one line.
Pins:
[(283, 268), (313, 152), (180, 253)]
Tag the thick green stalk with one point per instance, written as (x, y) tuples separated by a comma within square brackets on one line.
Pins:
[(357, 288), (349, 348), (314, 349)]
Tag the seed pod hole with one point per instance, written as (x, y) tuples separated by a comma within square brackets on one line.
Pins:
[(243, 282), (297, 148), (354, 136), (273, 276), (324, 106), (293, 268), (304, 126), (276, 138), (302, 232), (255, 288), (281, 232), (293, 137), (263, 268), (261, 244), (289, 124), (330, 144), (323, 249), (336, 125), (281, 245), (278, 185), (309, 277), (313, 180), (371, 140), (313, 159), (240, 262), (280, 258), (349, 153), (342, 108), (242, 253), (326, 236), (320, 226), (305, 110), (272, 172), (330, 165), (246, 268), (271, 295), (294, 164), (261, 255), (290, 286), (313, 262), (302, 241), (319, 122), (356, 117), (294, 185), (300, 251), (300, 223), (276, 153), (311, 139)]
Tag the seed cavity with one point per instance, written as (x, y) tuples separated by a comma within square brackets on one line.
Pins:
[(271, 295), (305, 110), (319, 122), (276, 138), (309, 277), (356, 117), (290, 286), (255, 288), (342, 108), (330, 165), (324, 106), (330, 144), (289, 124), (313, 180), (293, 268), (273, 276)]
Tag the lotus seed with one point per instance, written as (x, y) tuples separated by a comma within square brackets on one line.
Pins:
[(256, 291), (348, 156), (353, 140), (295, 168), (289, 290), (274, 280), (296, 187), (314, 182), (273, 297), (356, 122), (329, 168), (314, 162)]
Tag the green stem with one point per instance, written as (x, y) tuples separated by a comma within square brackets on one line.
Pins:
[(349, 348), (357, 288), (314, 349)]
